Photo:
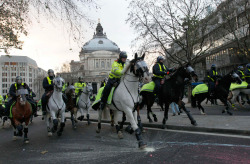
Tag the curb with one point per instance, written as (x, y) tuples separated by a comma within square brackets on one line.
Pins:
[(189, 128)]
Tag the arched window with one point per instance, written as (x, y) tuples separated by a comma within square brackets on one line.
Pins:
[(108, 65), (97, 64), (102, 64)]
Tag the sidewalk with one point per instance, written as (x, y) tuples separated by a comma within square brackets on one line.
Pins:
[(214, 121)]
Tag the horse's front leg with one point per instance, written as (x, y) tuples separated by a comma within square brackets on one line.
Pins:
[(165, 118), (137, 130), (88, 120), (62, 124), (55, 121), (47, 121), (26, 130), (98, 130), (182, 105), (73, 119), (19, 128), (80, 118), (117, 126)]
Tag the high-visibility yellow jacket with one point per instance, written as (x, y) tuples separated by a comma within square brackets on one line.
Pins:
[(116, 71), (79, 86)]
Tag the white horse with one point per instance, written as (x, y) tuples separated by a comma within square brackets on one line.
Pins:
[(56, 108), (84, 101), (126, 96), (236, 92)]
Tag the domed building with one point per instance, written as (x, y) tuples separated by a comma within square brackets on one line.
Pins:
[(96, 57)]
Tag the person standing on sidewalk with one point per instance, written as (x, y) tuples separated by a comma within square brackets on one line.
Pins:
[(174, 105)]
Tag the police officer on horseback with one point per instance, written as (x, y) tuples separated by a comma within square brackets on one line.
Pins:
[(212, 76), (48, 86), (13, 88), (159, 72), (241, 73), (114, 77), (79, 87), (247, 73)]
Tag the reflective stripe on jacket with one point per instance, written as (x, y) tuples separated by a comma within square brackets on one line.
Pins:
[(78, 86), (116, 71), (161, 70)]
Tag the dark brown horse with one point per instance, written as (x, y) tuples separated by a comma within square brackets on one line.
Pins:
[(21, 113), (71, 105)]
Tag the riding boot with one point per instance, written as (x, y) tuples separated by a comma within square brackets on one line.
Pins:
[(34, 110)]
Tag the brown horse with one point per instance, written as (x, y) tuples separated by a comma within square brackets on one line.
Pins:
[(71, 105), (21, 113)]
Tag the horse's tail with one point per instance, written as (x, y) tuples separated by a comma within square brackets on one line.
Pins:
[(193, 101)]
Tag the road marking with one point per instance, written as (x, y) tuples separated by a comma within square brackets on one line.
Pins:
[(202, 133)]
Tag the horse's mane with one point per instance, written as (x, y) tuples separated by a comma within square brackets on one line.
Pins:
[(127, 66)]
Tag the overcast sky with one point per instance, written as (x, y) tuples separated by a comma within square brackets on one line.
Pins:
[(50, 46)]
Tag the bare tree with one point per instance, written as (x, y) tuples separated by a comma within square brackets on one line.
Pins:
[(177, 29), (15, 15)]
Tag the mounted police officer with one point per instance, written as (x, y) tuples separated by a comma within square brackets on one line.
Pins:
[(212, 76), (159, 72), (13, 88), (240, 72), (65, 86), (247, 74), (48, 86), (114, 77), (79, 87)]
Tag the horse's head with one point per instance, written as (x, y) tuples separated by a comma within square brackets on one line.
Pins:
[(140, 68), (58, 83), (21, 96), (89, 88), (70, 91), (188, 72), (235, 77)]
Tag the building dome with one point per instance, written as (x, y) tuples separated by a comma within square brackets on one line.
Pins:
[(100, 42)]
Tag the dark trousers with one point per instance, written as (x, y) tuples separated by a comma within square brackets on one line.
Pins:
[(107, 89), (211, 87), (157, 82), (44, 101)]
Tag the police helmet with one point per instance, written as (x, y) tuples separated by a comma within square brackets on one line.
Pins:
[(123, 54), (248, 66), (241, 68), (80, 78), (50, 71), (159, 58), (19, 80), (213, 66)]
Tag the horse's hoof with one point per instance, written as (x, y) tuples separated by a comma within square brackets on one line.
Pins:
[(223, 111), (14, 138), (155, 119), (26, 141), (98, 130), (194, 123), (142, 145), (59, 133), (230, 113), (49, 134), (120, 135)]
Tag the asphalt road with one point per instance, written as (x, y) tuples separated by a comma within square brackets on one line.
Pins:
[(84, 145)]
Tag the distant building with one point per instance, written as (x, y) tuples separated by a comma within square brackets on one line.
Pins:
[(13, 66), (96, 57)]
